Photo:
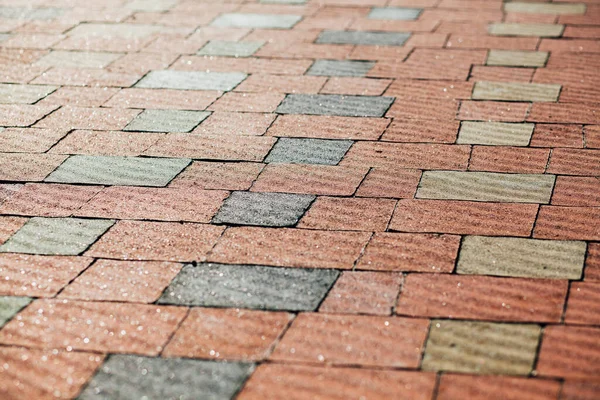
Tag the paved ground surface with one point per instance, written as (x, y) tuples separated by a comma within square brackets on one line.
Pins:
[(322, 199)]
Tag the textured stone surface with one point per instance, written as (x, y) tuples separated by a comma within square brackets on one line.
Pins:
[(166, 121), (77, 59), (340, 68), (23, 94), (232, 49), (363, 38), (394, 13), (545, 8), (515, 58), (10, 306), (495, 133), (64, 236), (345, 106), (191, 80), (263, 209), (486, 186), (308, 151), (516, 29), (133, 377), (511, 91), (132, 171), (27, 13), (260, 21), (244, 286)]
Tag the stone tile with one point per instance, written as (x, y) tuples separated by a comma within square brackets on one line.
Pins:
[(163, 99), (101, 119), (191, 80), (218, 175), (495, 133), (23, 114), (133, 171), (29, 140), (481, 347), (228, 334), (331, 104), (60, 236), (23, 94), (10, 306), (263, 209), (166, 121), (519, 160), (243, 286), (282, 84), (81, 96), (231, 49), (77, 59), (256, 21), (106, 143), (543, 8), (150, 5), (507, 91), (248, 102), (547, 259), (493, 111), (340, 68), (516, 29), (394, 13), (30, 13), (126, 376), (355, 86), (390, 183), (486, 186), (308, 151), (363, 38), (328, 127), (235, 123), (478, 387), (10, 225)]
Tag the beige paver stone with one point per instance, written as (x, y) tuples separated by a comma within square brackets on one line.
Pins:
[(23, 94), (486, 186), (515, 91), (545, 8), (481, 347), (515, 58), (517, 257), (495, 133), (516, 29)]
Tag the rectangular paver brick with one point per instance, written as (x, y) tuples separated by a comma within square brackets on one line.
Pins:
[(163, 99), (520, 160), (495, 133), (394, 13), (575, 162), (256, 21), (308, 151), (340, 68), (584, 304), (166, 121), (478, 387), (363, 38), (23, 94), (332, 104), (515, 91), (515, 58), (10, 306), (529, 29), (571, 223), (30, 13), (579, 191), (390, 183), (218, 175), (77, 59), (328, 127), (191, 80), (544, 8), (231, 49)]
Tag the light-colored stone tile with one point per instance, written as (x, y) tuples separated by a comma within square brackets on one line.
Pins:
[(77, 59), (545, 8), (486, 186), (515, 58), (515, 91), (516, 29), (94, 30), (9, 306), (256, 21), (495, 133), (231, 49), (517, 257), (166, 121), (151, 5), (28, 13), (191, 80), (23, 94), (481, 347), (394, 13)]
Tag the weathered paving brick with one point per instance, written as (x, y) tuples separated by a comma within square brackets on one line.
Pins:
[(340, 68), (327, 127), (63, 236), (77, 59), (495, 133), (331, 104), (575, 162), (363, 38), (516, 29), (166, 121), (23, 94), (531, 258), (508, 91), (486, 186), (520, 160), (263, 209), (256, 21), (573, 191), (544, 8), (250, 286), (218, 175), (481, 347), (394, 13), (232, 49), (191, 80), (308, 151), (478, 387), (584, 304), (10, 306), (29, 13), (132, 171), (514, 58), (127, 376), (571, 223)]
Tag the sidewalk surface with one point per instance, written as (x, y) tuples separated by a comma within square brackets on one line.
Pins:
[(299, 199)]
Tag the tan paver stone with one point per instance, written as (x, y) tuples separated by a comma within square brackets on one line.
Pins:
[(516, 29), (481, 347), (495, 133), (23, 94), (486, 186), (545, 8), (515, 58), (515, 91)]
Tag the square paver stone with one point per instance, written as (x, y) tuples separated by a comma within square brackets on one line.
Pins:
[(308, 151), (363, 38), (191, 80), (133, 377), (481, 347), (125, 171), (545, 8), (166, 121), (10, 306), (340, 68), (256, 21), (395, 13), (495, 133), (518, 257), (514, 58), (232, 49), (515, 29), (263, 209), (250, 286), (28, 13), (333, 104), (56, 236), (23, 94), (515, 91)]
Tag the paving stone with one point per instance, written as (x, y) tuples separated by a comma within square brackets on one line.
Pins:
[(481, 347), (77, 59), (544, 8), (495, 133), (23, 94), (553, 259), (477, 387), (256, 21), (363, 38), (150, 5), (394, 13), (30, 13), (515, 91), (516, 29), (133, 377), (331, 104), (340, 68), (60, 236), (486, 186), (132, 171), (283, 1), (263, 209), (191, 80), (245, 286), (226, 48), (166, 121), (308, 151), (10, 306)]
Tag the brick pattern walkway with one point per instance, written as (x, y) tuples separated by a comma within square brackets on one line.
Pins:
[(299, 199)]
